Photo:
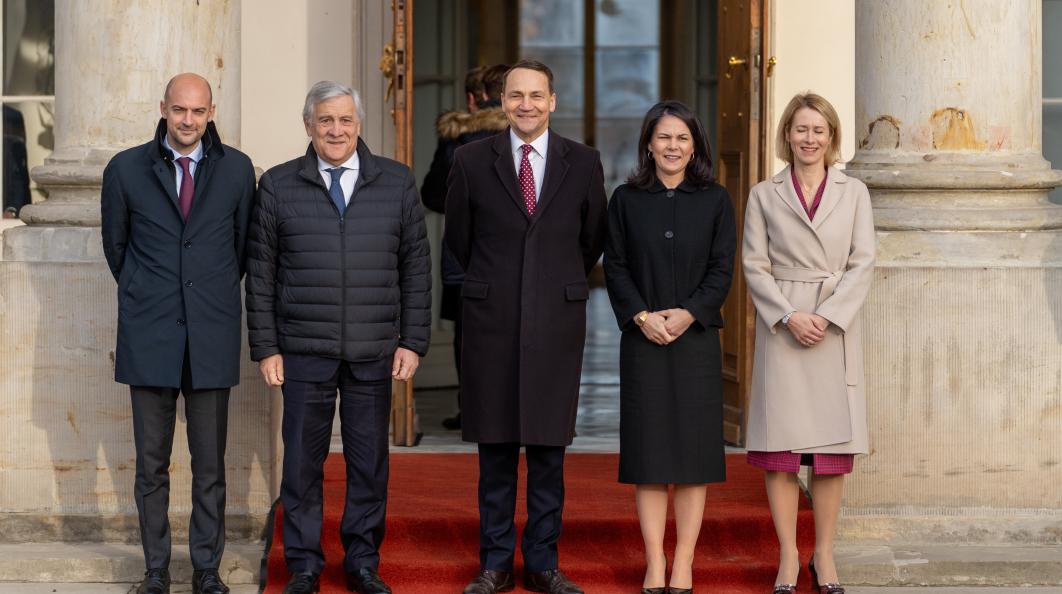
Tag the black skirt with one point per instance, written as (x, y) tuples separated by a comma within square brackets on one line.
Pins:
[(671, 409)]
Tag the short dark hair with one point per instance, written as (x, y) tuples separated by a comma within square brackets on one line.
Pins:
[(474, 81), (530, 65), (698, 170), (493, 79)]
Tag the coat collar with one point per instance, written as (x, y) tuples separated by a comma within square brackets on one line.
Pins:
[(658, 186), (162, 164), (556, 170), (212, 146), (308, 167), (835, 180)]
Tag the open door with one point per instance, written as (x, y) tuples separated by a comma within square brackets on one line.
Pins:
[(741, 143), (397, 65)]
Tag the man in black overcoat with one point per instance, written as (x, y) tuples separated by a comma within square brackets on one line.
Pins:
[(338, 301), (175, 213), (525, 217)]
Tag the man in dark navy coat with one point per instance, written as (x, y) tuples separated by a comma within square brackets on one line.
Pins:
[(525, 217), (338, 302), (175, 213)]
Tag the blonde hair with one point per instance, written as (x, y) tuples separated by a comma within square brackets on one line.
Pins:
[(819, 104)]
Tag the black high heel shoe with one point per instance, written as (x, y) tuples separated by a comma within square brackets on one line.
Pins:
[(784, 589), (827, 588), (662, 590)]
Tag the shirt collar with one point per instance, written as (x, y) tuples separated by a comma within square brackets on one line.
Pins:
[(195, 155), (540, 144), (353, 163)]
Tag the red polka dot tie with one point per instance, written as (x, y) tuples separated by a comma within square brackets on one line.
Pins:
[(527, 180)]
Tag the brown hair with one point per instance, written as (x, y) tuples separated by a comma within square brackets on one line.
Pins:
[(819, 104), (474, 81), (493, 79), (530, 65)]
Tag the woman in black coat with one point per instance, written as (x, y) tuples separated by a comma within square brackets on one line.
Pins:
[(668, 265)]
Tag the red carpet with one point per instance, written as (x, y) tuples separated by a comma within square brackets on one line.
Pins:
[(433, 526)]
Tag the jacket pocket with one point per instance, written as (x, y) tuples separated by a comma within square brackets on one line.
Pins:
[(577, 291), (474, 289)]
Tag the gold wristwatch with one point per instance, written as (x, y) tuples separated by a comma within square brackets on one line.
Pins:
[(641, 317)]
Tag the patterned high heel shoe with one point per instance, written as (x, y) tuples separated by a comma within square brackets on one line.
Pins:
[(784, 589), (828, 588)]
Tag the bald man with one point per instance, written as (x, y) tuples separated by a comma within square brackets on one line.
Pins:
[(175, 213)]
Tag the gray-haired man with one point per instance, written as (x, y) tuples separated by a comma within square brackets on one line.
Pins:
[(338, 300)]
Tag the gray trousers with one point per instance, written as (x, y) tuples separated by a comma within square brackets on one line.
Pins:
[(154, 416)]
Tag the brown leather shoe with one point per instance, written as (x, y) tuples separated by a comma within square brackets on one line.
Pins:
[(551, 581), (490, 581)]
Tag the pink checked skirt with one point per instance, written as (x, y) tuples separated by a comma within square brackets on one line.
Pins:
[(791, 462)]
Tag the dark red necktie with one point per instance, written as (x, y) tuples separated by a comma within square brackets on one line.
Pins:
[(184, 197), (527, 180)]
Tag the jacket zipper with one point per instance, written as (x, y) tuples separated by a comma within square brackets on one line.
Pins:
[(343, 284)]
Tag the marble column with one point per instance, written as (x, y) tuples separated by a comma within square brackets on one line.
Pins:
[(66, 456), (964, 321)]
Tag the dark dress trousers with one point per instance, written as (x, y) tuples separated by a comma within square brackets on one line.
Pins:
[(179, 315), (524, 317), (335, 293), (670, 249)]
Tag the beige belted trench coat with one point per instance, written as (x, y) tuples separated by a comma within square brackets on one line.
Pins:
[(808, 399)]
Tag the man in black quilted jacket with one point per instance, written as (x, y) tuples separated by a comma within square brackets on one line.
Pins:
[(338, 301)]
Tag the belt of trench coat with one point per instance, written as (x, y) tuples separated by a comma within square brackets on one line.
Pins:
[(829, 282)]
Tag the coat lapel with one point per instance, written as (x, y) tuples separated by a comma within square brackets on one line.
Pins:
[(503, 165), (556, 170), (783, 187), (831, 196), (167, 177)]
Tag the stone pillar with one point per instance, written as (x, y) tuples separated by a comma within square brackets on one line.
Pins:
[(964, 321), (66, 458)]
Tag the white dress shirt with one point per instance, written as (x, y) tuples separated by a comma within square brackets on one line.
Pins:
[(350, 175), (195, 156), (537, 157)]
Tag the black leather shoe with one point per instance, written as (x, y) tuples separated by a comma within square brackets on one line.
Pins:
[(156, 581), (366, 581), (490, 581), (452, 423), (207, 581), (654, 590), (551, 581), (303, 583)]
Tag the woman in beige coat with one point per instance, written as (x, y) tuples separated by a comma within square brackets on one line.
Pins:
[(808, 256)]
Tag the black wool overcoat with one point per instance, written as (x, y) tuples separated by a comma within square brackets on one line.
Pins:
[(525, 289), (178, 282)]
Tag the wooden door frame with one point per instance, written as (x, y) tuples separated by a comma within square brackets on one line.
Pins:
[(751, 165)]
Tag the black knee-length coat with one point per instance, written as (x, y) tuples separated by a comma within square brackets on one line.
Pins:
[(525, 290), (670, 249)]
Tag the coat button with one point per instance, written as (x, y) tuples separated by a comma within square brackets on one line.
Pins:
[(670, 193), (180, 321), (668, 234), (187, 244), (189, 283)]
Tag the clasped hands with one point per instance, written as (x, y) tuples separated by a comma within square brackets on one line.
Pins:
[(403, 366), (665, 326), (807, 329)]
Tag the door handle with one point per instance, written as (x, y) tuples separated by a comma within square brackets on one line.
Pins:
[(734, 61)]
